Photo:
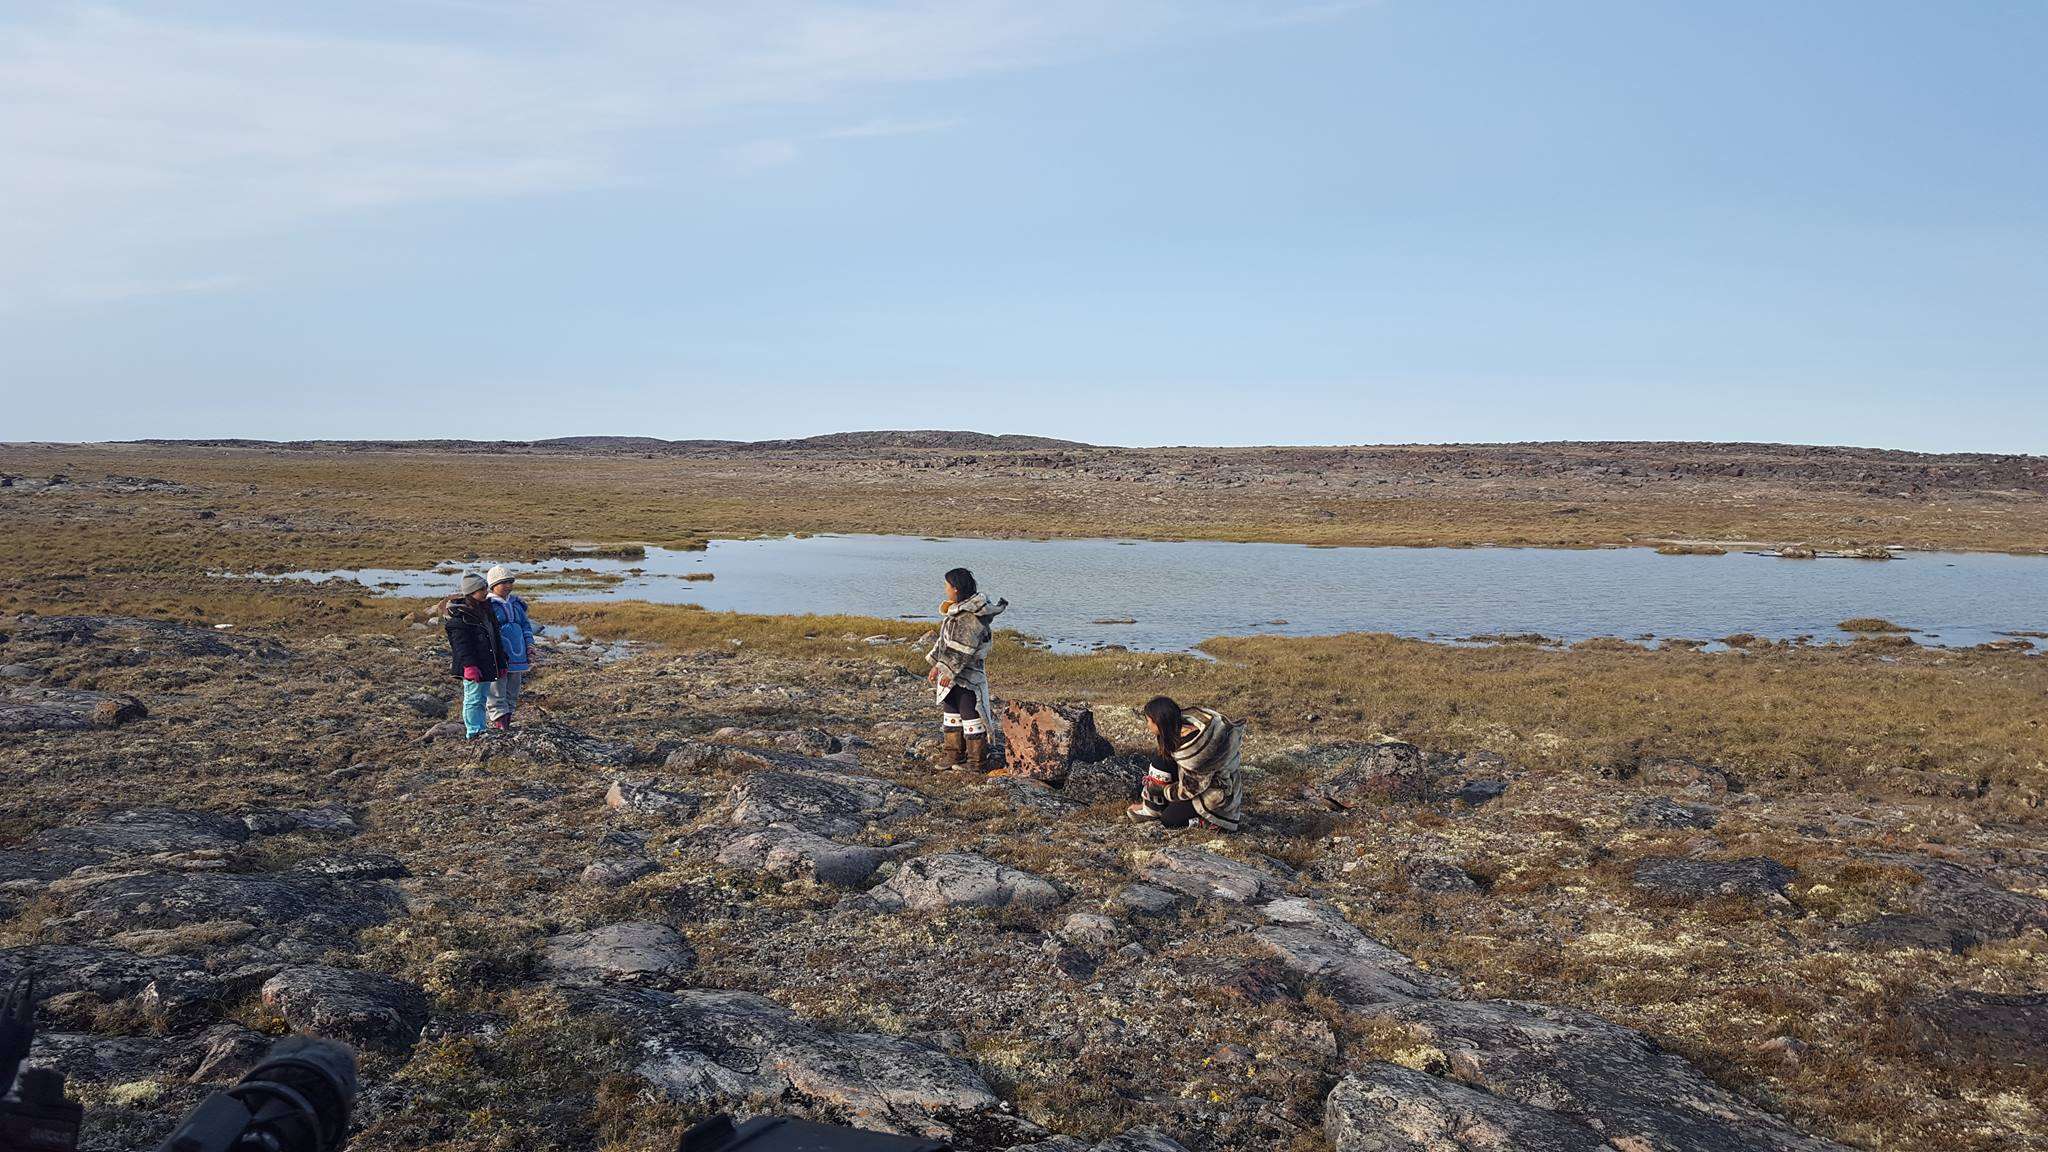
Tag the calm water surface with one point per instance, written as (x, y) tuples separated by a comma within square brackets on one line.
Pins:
[(1181, 593)]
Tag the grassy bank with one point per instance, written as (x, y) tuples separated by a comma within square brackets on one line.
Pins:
[(1855, 716), (402, 509)]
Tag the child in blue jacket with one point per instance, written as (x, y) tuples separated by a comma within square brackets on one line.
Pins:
[(515, 630)]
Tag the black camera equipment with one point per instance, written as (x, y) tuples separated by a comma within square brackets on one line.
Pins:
[(34, 1115), (296, 1100), (780, 1134)]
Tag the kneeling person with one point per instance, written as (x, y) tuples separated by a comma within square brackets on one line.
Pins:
[(1195, 777)]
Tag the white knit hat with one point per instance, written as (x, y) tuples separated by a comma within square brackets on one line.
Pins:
[(497, 575)]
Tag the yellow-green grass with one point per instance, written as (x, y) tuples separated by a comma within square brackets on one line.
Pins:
[(1839, 714), (390, 509)]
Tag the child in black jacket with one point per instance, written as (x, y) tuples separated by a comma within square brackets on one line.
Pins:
[(476, 652)]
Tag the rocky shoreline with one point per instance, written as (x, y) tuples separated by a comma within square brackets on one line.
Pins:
[(717, 880)]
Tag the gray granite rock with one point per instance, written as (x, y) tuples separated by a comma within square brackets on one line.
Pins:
[(1388, 1108), (961, 880), (634, 952), (358, 1007), (706, 1050)]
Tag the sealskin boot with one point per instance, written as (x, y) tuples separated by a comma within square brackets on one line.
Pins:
[(955, 748), (977, 752)]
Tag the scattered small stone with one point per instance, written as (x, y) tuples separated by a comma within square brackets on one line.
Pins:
[(355, 866), (428, 705), (1202, 874), (792, 853)]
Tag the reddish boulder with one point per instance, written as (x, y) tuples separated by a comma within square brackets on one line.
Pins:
[(1043, 741), (1391, 771)]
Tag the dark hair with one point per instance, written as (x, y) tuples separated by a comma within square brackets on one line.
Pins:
[(962, 581), (1164, 711)]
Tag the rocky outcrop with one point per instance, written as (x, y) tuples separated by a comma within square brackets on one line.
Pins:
[(150, 637), (636, 952), (649, 799), (1690, 775), (1043, 742), (1686, 879), (1388, 1108), (1963, 1026), (1318, 943), (707, 1050), (823, 802), (1202, 874), (358, 1007), (1589, 1071), (331, 820), (97, 1059), (555, 743), (794, 854), (1664, 812), (65, 710), (1135, 1140), (617, 871), (1950, 908), (961, 880), (298, 907)]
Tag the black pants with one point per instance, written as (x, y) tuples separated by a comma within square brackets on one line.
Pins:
[(963, 702), (1172, 813)]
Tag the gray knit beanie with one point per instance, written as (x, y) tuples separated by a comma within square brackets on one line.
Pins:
[(471, 582)]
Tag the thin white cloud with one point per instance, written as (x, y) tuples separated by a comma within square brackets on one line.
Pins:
[(762, 154), (111, 291), (870, 129), (137, 145)]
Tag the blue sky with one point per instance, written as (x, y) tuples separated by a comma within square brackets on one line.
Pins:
[(1158, 221)]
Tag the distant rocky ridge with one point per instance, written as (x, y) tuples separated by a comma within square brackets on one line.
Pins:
[(622, 445)]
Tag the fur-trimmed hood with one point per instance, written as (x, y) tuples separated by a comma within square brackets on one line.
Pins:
[(980, 605)]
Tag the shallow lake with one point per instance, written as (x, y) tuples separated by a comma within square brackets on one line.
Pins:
[(1181, 593)]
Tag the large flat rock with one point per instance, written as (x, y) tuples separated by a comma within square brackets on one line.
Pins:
[(1203, 874), (65, 710), (709, 1050), (794, 854), (962, 880), (1594, 1072), (1316, 941), (1388, 1108), (829, 804), (634, 952), (358, 1007), (302, 906)]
